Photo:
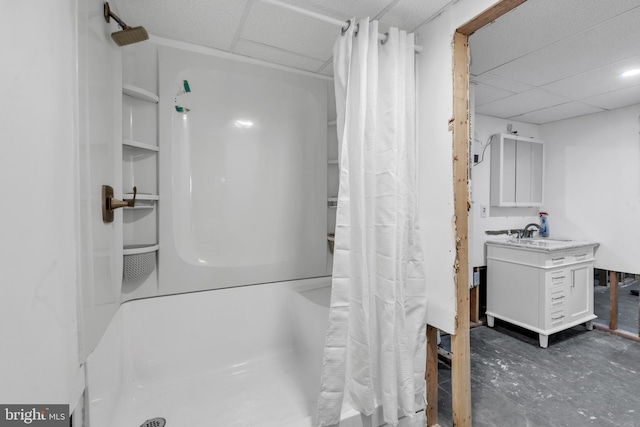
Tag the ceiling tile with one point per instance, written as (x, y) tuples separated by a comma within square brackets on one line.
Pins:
[(485, 94), (536, 24), (277, 56), (617, 99), (342, 9), (595, 82), (582, 52), (557, 112), (409, 14), (521, 103), (201, 22), (502, 82), (272, 25)]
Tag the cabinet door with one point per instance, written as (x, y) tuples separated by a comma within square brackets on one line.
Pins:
[(523, 173), (509, 169), (517, 171), (580, 292), (503, 170), (537, 173)]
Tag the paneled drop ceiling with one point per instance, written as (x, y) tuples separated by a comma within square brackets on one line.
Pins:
[(550, 60), (264, 31), (547, 60)]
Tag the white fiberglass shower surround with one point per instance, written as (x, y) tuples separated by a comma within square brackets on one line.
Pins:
[(236, 332), (245, 199)]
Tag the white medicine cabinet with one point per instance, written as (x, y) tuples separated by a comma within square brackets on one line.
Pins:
[(517, 171)]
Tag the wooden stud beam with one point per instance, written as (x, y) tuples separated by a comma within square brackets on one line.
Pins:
[(459, 124), (460, 348), (489, 15), (613, 300), (474, 303), (431, 376)]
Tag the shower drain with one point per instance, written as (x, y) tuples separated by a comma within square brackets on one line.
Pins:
[(154, 422)]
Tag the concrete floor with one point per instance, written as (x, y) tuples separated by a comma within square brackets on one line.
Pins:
[(584, 378)]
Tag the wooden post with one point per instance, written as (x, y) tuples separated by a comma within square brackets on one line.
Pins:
[(613, 300), (431, 376), (459, 124), (460, 348)]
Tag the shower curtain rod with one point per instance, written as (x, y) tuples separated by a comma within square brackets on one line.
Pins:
[(328, 19)]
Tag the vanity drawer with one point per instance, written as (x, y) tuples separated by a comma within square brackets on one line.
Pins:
[(557, 278), (556, 298), (555, 318), (569, 256)]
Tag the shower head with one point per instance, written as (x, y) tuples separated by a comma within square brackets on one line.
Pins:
[(127, 35)]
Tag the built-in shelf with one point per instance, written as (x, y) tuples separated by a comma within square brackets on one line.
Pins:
[(141, 145), (138, 92), (142, 196), (332, 123), (333, 161), (139, 249)]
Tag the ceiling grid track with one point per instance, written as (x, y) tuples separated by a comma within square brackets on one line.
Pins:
[(240, 28)]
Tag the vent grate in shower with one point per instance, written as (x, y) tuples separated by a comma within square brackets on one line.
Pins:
[(154, 422)]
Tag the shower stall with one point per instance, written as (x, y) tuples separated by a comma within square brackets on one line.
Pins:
[(243, 175)]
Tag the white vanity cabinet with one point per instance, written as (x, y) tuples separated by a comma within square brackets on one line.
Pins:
[(517, 171), (544, 286)]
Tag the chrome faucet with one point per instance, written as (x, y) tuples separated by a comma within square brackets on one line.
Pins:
[(529, 233)]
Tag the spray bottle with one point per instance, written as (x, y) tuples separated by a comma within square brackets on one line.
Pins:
[(544, 225)]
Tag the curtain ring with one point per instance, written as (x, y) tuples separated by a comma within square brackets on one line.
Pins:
[(344, 29), (386, 37)]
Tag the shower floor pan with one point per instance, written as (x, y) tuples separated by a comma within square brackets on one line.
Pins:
[(240, 357), (265, 392)]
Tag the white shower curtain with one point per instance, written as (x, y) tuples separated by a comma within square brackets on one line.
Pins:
[(375, 345)]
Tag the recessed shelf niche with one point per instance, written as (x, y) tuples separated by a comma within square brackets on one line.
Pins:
[(140, 152)]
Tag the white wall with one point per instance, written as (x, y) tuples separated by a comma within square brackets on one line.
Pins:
[(497, 218), (99, 63), (592, 188), (38, 154), (435, 109)]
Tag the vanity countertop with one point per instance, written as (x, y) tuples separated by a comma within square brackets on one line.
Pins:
[(541, 243)]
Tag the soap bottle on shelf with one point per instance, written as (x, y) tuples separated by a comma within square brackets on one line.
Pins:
[(544, 225)]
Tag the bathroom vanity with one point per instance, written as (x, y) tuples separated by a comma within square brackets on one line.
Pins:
[(542, 285)]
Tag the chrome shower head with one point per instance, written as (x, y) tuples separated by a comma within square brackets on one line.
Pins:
[(127, 35)]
